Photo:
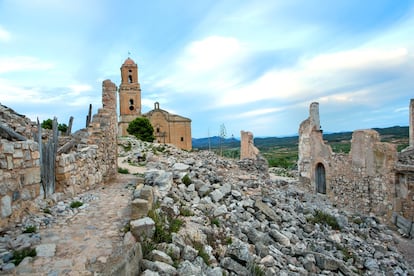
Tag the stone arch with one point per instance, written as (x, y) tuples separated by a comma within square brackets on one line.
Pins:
[(320, 178)]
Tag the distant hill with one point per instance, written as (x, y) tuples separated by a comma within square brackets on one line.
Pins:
[(397, 134)]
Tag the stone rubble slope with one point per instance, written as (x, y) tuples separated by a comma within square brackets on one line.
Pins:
[(239, 221)]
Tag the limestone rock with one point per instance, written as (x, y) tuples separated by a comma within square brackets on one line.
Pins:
[(46, 250), (139, 208), (142, 228)]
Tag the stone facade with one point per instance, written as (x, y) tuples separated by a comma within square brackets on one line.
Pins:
[(363, 180), (247, 148), (170, 128)]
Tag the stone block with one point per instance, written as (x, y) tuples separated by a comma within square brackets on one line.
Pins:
[(216, 195), (139, 208), (142, 228), (18, 153), (31, 176), (46, 250), (6, 209), (147, 193)]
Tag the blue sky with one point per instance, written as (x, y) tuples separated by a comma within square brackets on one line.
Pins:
[(250, 65)]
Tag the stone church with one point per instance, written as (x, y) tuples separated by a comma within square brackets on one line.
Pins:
[(168, 128)]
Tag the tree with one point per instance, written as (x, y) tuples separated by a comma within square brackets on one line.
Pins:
[(48, 123), (142, 129)]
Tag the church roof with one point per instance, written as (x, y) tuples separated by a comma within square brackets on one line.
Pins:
[(168, 116), (129, 61)]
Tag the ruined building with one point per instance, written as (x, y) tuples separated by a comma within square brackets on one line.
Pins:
[(168, 128), (373, 178), (80, 161)]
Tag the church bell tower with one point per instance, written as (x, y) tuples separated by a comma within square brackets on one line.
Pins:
[(129, 95)]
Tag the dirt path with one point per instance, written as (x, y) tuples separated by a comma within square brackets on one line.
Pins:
[(88, 238)]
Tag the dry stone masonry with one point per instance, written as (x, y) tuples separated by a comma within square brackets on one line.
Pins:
[(372, 178), (90, 160)]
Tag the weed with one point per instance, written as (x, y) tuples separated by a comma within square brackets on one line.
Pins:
[(75, 204), (126, 228), (186, 180), (202, 252), (255, 270), (345, 251), (127, 147), (357, 220), (325, 218), (147, 246), (123, 171), (186, 212), (30, 229), (47, 211), (215, 221), (175, 225), (19, 255), (229, 240)]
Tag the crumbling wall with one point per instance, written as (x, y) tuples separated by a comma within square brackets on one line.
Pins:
[(362, 181), (96, 161), (19, 178), (91, 161), (19, 167), (247, 148)]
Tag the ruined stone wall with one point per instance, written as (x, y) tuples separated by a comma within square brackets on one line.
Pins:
[(19, 168), (19, 178), (247, 148), (363, 181), (96, 162)]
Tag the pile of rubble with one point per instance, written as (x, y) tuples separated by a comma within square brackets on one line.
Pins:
[(214, 216)]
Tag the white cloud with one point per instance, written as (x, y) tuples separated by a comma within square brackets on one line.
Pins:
[(258, 112), (77, 89), (314, 77), (210, 53), (23, 63), (5, 36)]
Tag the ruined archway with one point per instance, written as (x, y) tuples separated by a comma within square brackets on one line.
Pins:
[(320, 178)]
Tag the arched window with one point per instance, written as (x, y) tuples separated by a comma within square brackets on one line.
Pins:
[(131, 101), (130, 78), (320, 178)]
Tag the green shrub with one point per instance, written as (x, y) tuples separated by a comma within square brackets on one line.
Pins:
[(186, 180), (325, 218), (123, 171), (30, 229), (75, 204), (142, 129), (175, 225), (19, 255)]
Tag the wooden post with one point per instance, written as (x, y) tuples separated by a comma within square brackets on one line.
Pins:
[(7, 133), (88, 118), (69, 130)]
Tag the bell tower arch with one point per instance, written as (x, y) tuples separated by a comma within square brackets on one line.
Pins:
[(129, 95)]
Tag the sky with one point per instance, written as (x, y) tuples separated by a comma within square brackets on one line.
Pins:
[(245, 65)]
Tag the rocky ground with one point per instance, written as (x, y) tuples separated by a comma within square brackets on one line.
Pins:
[(217, 216), (208, 215)]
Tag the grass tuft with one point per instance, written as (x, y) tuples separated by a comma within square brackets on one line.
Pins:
[(75, 204)]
